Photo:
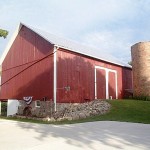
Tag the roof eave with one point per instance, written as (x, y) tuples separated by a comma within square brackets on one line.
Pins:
[(59, 46)]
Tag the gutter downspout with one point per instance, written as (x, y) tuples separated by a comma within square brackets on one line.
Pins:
[(55, 77)]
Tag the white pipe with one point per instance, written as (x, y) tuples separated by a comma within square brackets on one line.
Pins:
[(95, 85), (55, 78), (107, 83)]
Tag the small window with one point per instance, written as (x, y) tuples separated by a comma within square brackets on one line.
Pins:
[(37, 103)]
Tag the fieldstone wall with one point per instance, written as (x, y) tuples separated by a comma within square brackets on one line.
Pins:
[(141, 68), (80, 110), (69, 111), (45, 109)]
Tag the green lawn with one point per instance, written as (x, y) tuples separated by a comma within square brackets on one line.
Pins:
[(128, 111), (125, 111), (121, 110)]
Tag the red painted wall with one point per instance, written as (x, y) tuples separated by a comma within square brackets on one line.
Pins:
[(112, 85), (26, 73), (77, 71), (101, 83), (127, 82)]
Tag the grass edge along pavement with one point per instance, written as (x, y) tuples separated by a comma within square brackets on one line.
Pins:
[(121, 110)]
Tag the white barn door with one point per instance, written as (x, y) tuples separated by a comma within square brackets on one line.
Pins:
[(105, 83)]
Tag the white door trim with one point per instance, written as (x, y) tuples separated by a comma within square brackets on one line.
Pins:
[(107, 81)]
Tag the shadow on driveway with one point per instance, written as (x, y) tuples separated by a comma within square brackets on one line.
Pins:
[(117, 135)]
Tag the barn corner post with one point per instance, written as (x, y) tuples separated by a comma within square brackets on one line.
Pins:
[(55, 77)]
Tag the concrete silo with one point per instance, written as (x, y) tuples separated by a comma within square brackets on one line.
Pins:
[(141, 68)]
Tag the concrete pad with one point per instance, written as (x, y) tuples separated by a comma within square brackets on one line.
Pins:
[(101, 135)]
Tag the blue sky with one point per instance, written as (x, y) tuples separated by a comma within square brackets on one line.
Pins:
[(112, 26)]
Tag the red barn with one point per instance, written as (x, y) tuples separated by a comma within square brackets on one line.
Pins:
[(39, 64)]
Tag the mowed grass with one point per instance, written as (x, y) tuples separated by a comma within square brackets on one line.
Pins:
[(121, 110), (125, 111), (128, 111)]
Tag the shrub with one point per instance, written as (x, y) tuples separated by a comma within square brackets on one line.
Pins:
[(141, 97), (3, 108)]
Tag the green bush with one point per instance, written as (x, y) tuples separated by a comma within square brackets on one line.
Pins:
[(144, 98), (3, 108)]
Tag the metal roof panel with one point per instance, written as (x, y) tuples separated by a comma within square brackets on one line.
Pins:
[(69, 45)]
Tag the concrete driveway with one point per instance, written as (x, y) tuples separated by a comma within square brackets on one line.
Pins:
[(102, 135)]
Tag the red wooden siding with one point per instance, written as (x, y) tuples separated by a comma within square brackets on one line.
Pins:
[(127, 81), (74, 71), (112, 85), (28, 71), (30, 75), (78, 72), (101, 83)]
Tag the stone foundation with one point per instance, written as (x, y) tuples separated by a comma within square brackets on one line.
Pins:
[(81, 110), (65, 111), (45, 109)]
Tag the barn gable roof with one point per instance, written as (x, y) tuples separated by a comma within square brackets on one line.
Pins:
[(68, 45)]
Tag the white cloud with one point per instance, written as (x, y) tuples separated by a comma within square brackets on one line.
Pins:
[(111, 25), (115, 42)]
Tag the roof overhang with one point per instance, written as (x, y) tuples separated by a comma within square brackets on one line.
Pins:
[(60, 46)]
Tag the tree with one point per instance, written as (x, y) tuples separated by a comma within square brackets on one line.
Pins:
[(130, 63), (3, 33)]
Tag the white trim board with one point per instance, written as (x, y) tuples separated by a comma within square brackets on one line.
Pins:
[(107, 81)]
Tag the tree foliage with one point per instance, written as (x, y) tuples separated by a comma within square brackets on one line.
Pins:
[(130, 63), (3, 33)]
